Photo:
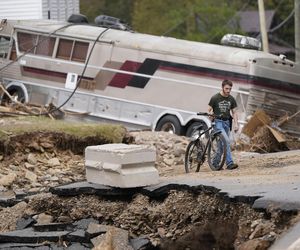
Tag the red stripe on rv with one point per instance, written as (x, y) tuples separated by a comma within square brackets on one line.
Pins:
[(121, 80)]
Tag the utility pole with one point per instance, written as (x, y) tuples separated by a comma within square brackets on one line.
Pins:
[(297, 30), (262, 21)]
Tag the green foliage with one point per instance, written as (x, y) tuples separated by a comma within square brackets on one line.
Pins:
[(118, 8), (199, 20), (92, 8)]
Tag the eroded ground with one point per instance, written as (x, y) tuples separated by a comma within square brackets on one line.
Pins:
[(32, 163)]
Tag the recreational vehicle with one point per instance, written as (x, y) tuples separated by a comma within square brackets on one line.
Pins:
[(143, 80)]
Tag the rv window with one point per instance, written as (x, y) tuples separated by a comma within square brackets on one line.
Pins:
[(4, 46), (80, 51), (64, 49), (26, 42), (45, 46)]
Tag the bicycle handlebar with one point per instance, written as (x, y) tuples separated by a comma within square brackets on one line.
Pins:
[(204, 113), (211, 115)]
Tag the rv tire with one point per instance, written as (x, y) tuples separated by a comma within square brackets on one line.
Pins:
[(170, 124), (190, 132), (16, 92)]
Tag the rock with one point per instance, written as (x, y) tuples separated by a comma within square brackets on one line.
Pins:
[(35, 146), (7, 198), (54, 178), (64, 219), (255, 244), (31, 159), (179, 150), (1, 157), (29, 166), (7, 180), (169, 162), (53, 171), (2, 189), (115, 238), (13, 167), (11, 215), (161, 231), (95, 229), (47, 145), (31, 176), (262, 229), (34, 190), (53, 162), (43, 218)]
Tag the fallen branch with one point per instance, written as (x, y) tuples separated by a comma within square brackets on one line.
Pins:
[(13, 100)]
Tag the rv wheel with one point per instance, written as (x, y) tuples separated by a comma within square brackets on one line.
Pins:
[(16, 93), (192, 132), (170, 124)]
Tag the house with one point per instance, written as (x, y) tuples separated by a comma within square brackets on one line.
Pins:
[(248, 22), (38, 9)]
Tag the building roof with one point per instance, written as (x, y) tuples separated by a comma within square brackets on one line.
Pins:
[(249, 20)]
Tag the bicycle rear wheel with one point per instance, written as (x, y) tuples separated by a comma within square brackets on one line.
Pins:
[(217, 152), (194, 156)]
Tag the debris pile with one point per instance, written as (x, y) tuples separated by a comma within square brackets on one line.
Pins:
[(170, 149), (267, 136), (10, 106)]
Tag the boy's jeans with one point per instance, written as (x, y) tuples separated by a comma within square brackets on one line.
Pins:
[(224, 126)]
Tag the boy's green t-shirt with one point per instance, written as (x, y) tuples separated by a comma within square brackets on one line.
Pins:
[(222, 105)]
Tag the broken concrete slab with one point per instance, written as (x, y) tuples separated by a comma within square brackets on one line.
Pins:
[(44, 246), (23, 223), (53, 227), (119, 153), (95, 229), (28, 235), (84, 223), (140, 243), (121, 165), (78, 236), (92, 188), (25, 246)]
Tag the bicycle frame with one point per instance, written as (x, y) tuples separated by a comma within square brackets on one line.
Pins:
[(211, 133)]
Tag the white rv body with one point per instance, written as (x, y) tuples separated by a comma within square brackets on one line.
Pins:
[(143, 80)]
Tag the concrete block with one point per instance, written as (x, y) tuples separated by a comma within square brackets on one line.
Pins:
[(121, 165)]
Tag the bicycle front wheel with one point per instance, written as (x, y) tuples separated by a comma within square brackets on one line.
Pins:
[(194, 156), (216, 152)]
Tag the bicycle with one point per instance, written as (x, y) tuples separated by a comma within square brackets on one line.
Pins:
[(210, 142)]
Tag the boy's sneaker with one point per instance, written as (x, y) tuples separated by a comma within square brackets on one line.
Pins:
[(232, 166)]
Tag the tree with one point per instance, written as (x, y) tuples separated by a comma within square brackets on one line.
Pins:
[(118, 8), (199, 20)]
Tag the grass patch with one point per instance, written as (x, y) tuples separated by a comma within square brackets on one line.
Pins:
[(21, 125)]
